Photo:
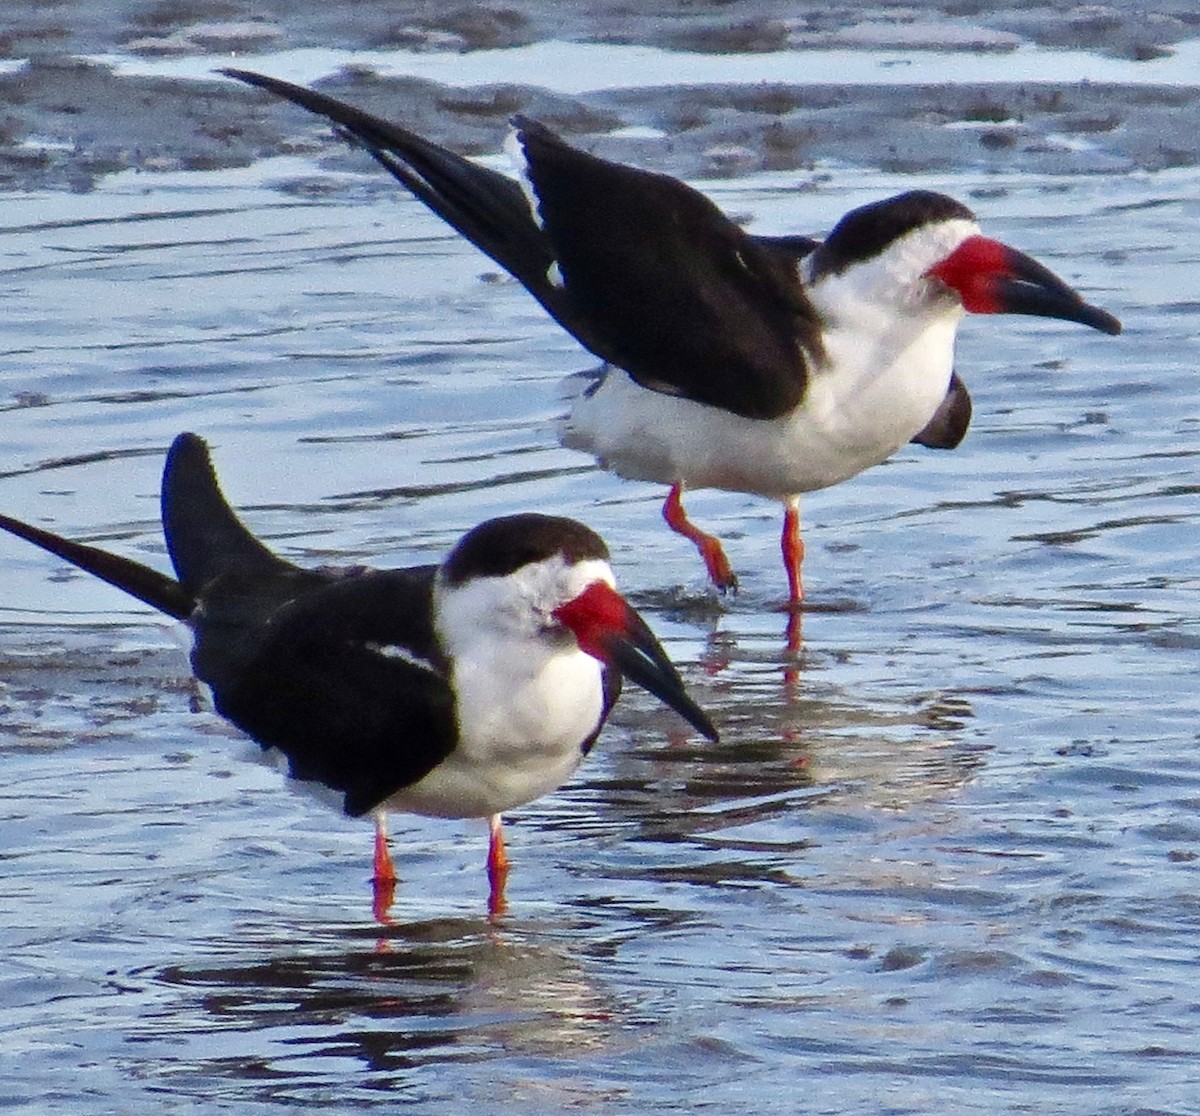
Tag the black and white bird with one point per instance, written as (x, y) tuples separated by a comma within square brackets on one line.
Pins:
[(460, 690), (766, 365)]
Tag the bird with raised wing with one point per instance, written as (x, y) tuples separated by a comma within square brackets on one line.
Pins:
[(457, 690), (766, 365)]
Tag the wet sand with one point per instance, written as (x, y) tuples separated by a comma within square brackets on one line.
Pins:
[(65, 121)]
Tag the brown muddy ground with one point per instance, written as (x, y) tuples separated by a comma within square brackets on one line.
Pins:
[(65, 122)]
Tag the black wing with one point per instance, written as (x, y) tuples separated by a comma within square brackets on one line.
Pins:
[(488, 208), (339, 670), (675, 293), (156, 589), (655, 279), (343, 676), (612, 681), (204, 536), (795, 246), (949, 424)]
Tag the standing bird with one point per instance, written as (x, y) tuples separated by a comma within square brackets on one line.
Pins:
[(767, 365), (459, 691)]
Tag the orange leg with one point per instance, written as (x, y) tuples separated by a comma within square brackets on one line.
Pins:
[(383, 881), (792, 546), (720, 572), (497, 867)]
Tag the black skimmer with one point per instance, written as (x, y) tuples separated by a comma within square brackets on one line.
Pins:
[(460, 690), (766, 365)]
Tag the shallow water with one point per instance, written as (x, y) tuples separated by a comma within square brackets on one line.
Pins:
[(948, 864)]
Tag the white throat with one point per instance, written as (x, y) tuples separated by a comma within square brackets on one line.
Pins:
[(889, 340)]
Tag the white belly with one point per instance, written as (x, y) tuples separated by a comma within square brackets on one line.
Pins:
[(520, 738), (859, 409)]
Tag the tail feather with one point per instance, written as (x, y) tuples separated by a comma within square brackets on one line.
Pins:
[(155, 589), (205, 538), (488, 208)]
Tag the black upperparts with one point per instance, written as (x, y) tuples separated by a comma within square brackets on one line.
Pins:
[(659, 282), (339, 669), (650, 275), (501, 546), (341, 672), (865, 232)]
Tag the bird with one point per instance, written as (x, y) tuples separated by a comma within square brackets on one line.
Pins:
[(457, 690), (768, 365)]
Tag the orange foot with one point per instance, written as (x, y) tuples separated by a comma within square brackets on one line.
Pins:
[(720, 572)]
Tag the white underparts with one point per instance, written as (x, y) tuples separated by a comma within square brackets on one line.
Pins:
[(888, 338), (526, 696)]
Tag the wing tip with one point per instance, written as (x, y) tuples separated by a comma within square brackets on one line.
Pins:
[(188, 454), (205, 536)]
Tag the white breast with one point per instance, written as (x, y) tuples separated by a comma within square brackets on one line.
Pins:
[(859, 409), (520, 739), (526, 696)]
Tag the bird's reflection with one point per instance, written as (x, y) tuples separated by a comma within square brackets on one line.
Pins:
[(721, 648), (792, 732), (444, 990)]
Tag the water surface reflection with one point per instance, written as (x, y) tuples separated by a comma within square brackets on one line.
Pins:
[(943, 860)]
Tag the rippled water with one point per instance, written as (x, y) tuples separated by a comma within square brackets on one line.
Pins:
[(950, 864)]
